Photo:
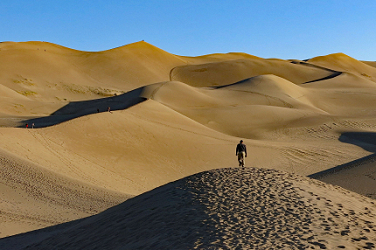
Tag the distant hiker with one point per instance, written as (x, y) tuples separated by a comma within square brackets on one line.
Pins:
[(109, 109), (32, 125), (97, 110), (241, 152), (27, 125)]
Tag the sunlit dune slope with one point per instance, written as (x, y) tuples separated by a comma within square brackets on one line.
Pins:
[(34, 197), (225, 208), (371, 63), (226, 72), (237, 109), (253, 107), (52, 74), (217, 57), (128, 151), (170, 116), (345, 63)]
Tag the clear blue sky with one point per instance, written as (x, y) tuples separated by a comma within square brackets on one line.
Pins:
[(298, 29)]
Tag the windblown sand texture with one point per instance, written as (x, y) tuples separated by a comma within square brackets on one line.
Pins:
[(232, 208), (170, 117)]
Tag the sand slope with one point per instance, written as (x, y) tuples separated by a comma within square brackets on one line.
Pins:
[(52, 74), (33, 197), (227, 208), (229, 71), (371, 63), (344, 63), (257, 107), (358, 176), (171, 116)]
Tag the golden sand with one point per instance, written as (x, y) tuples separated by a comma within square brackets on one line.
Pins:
[(171, 117)]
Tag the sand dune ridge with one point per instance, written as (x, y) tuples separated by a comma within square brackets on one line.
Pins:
[(108, 124), (226, 208)]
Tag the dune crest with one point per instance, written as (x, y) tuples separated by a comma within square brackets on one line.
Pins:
[(229, 71), (344, 63), (226, 208), (96, 127), (52, 75)]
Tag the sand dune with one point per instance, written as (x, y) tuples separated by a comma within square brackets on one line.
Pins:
[(34, 197), (223, 209), (171, 117), (254, 107), (238, 109), (52, 74), (230, 71), (344, 63), (371, 63), (358, 175)]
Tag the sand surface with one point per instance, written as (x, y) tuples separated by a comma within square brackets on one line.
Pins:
[(170, 117), (223, 209)]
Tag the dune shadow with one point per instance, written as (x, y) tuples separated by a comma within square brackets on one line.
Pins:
[(166, 214), (335, 74), (332, 75), (234, 84), (365, 140), (352, 164), (305, 63), (81, 108)]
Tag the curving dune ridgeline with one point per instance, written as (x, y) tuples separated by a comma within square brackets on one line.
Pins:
[(106, 126)]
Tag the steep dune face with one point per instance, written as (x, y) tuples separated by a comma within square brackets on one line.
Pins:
[(226, 208)]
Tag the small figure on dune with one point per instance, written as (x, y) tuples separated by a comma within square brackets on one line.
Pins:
[(27, 125), (97, 110), (241, 152), (32, 125), (109, 109)]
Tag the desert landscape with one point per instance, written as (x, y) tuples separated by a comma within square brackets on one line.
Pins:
[(134, 148)]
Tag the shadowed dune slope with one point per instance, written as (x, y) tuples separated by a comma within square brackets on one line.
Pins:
[(224, 208), (358, 176)]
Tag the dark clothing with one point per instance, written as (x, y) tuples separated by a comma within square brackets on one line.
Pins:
[(241, 148)]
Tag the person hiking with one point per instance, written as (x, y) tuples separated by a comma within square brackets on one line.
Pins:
[(241, 152)]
